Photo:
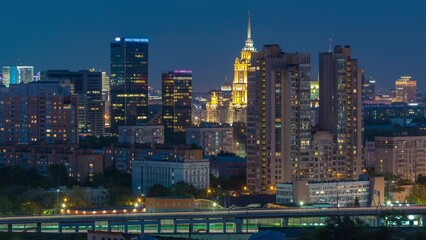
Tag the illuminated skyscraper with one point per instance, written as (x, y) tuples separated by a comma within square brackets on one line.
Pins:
[(239, 86), (341, 109), (129, 82), (278, 119), (17, 74), (106, 99), (406, 90), (177, 98)]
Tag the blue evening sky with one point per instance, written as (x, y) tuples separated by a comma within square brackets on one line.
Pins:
[(387, 36)]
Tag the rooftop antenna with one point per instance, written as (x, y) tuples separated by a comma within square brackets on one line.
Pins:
[(330, 44)]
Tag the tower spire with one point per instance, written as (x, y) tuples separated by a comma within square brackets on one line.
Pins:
[(249, 27), (249, 43)]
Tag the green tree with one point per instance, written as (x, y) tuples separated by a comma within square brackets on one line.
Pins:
[(421, 179), (340, 228), (158, 190), (6, 204), (76, 198), (58, 176), (417, 194), (184, 189), (356, 202)]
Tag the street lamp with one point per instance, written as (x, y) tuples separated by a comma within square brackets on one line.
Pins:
[(57, 197)]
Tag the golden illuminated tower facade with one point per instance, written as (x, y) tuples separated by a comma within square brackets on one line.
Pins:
[(239, 86)]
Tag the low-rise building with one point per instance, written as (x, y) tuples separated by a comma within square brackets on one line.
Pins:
[(141, 134), (122, 155), (80, 163), (335, 193), (169, 204), (168, 166), (94, 196), (212, 138), (227, 165)]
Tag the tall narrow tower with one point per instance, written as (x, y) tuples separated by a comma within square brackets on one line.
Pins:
[(129, 82), (239, 86), (340, 109)]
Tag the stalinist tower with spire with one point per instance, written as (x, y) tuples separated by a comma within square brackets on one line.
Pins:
[(239, 85)]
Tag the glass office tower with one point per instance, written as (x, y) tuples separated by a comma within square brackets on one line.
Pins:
[(129, 82)]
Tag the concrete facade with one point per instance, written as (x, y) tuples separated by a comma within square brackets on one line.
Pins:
[(279, 144), (38, 112), (141, 134), (401, 156), (341, 109), (212, 138)]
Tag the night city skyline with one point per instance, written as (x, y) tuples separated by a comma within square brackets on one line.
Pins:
[(202, 119), (206, 36)]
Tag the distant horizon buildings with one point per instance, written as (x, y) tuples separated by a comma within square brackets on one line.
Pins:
[(17, 74), (128, 82), (406, 90)]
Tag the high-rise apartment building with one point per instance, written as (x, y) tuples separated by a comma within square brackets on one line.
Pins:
[(340, 109), (17, 74), (406, 90), (177, 98), (129, 82), (278, 119), (38, 112), (88, 88)]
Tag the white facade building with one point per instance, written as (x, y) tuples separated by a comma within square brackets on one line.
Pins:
[(335, 193), (169, 169), (141, 134)]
